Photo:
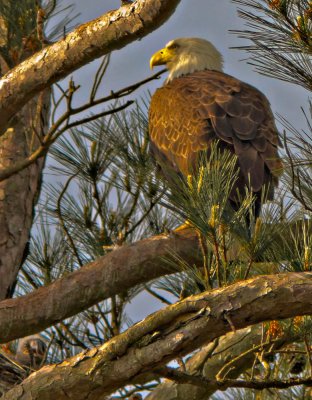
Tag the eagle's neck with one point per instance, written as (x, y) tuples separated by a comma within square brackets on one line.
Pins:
[(191, 63)]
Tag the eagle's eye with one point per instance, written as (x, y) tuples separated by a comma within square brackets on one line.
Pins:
[(173, 46)]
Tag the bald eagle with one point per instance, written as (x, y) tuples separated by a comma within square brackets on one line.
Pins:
[(200, 104)]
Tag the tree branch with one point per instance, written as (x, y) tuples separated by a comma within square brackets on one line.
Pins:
[(89, 41), (167, 334), (182, 377), (99, 280)]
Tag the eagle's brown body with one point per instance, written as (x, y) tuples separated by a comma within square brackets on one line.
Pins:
[(191, 111)]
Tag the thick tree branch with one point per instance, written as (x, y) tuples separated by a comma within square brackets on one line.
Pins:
[(169, 333), (109, 32), (101, 279), (140, 262)]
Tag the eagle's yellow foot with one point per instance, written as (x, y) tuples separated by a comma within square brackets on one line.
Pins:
[(186, 228), (186, 225)]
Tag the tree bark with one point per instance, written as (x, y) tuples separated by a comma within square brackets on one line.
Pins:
[(169, 333), (109, 32), (140, 262)]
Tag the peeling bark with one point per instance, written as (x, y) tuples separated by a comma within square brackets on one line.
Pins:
[(174, 331), (109, 32)]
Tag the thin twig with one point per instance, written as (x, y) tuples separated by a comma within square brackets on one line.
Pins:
[(233, 361), (44, 358)]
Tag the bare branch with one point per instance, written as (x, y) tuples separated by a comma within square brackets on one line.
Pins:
[(49, 139)]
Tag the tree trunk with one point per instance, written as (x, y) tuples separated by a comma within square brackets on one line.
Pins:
[(19, 194)]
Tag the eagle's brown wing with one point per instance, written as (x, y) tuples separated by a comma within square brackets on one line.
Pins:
[(189, 112)]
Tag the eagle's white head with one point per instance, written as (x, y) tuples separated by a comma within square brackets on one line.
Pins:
[(186, 55)]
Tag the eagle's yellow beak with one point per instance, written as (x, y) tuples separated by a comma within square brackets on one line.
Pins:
[(161, 57)]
